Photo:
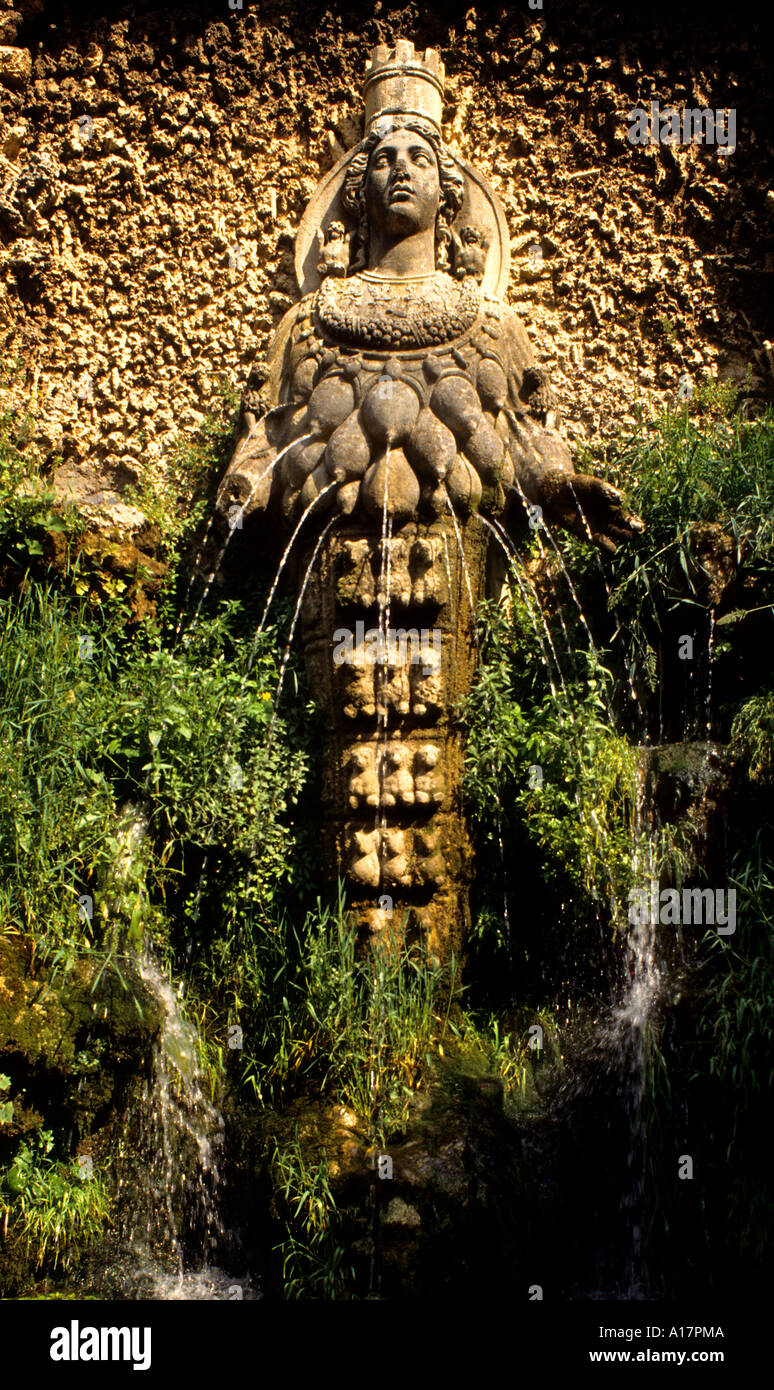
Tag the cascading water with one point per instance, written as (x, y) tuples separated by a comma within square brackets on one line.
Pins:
[(286, 553), (286, 657), (170, 1174), (596, 1105), (629, 1025), (294, 623), (513, 560), (540, 525), (588, 1153), (234, 523), (463, 561)]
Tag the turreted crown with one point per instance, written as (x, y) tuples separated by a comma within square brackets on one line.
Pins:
[(399, 81)]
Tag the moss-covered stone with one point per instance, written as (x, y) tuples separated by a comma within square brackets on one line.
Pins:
[(70, 1045)]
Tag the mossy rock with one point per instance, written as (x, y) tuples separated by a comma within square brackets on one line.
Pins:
[(452, 1214), (71, 1045), (43, 1018)]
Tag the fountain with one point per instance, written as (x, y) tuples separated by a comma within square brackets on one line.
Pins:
[(374, 1130), (400, 400)]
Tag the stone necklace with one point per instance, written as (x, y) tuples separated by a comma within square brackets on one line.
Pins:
[(377, 312)]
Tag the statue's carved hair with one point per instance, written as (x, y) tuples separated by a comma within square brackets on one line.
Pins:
[(452, 189)]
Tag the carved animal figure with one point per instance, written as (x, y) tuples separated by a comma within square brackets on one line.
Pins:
[(428, 785), (428, 578), (430, 867), (354, 580), (333, 248), (392, 686), (426, 690), (357, 678), (471, 245), (397, 779), (364, 863), (400, 579), (396, 862), (363, 778)]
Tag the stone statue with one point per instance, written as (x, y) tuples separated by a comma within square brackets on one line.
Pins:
[(470, 250), (405, 403), (334, 250)]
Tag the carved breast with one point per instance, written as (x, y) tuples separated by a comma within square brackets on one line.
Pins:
[(402, 400)]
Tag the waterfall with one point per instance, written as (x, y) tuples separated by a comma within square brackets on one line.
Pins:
[(630, 1025), (170, 1172), (587, 1153)]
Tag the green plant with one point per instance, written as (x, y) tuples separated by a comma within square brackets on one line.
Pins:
[(369, 1019), (29, 510), (103, 729), (56, 804), (752, 736), (515, 1054), (715, 399), (321, 1014), (50, 1209), (736, 1021), (678, 471), (743, 1004), (668, 329), (6, 1106), (315, 1262), (548, 758), (175, 495)]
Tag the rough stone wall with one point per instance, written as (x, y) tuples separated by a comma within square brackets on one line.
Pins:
[(155, 163)]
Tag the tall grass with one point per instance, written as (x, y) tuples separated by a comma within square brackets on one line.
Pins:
[(324, 1015), (315, 1260), (679, 472), (57, 806), (92, 720), (551, 764), (49, 1209)]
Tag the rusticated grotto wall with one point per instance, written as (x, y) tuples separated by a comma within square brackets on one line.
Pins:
[(155, 161)]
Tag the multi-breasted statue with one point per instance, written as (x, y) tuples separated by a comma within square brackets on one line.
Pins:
[(405, 404)]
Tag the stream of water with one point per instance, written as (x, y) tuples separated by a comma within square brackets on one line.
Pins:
[(169, 1169), (628, 1032)]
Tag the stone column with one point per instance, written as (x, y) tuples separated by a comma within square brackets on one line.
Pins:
[(390, 646)]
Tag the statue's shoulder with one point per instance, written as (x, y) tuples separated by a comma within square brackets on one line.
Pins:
[(500, 312), (504, 326), (292, 329), (270, 367), (295, 317)]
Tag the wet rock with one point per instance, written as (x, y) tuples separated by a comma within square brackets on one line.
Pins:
[(690, 788), (719, 556), (72, 1045), (44, 1020), (446, 1217), (451, 1212), (321, 1126), (399, 1213)]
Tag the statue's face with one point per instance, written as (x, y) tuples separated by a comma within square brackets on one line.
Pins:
[(403, 188)]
